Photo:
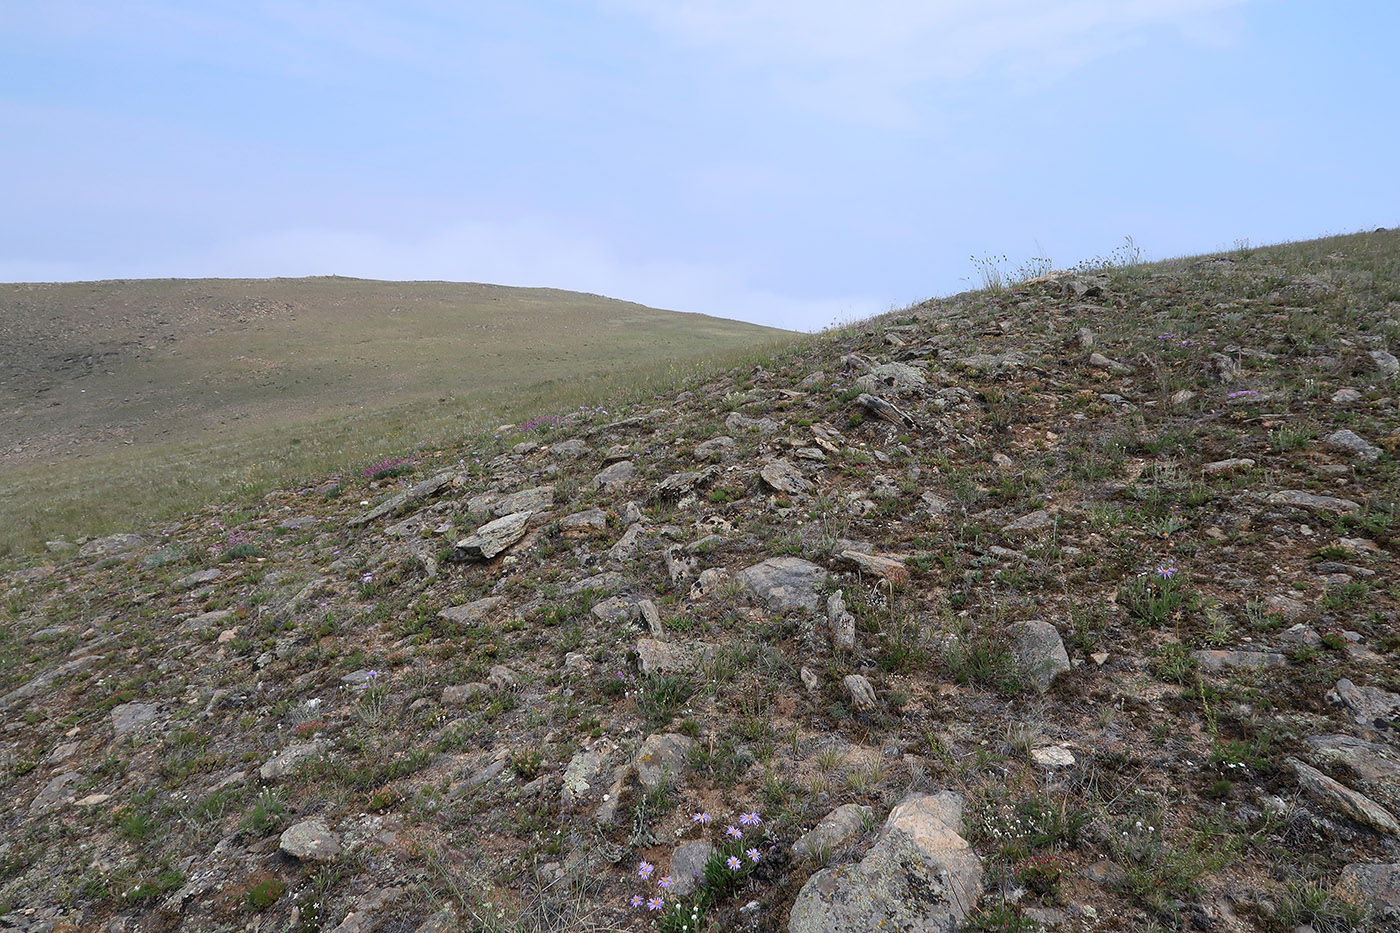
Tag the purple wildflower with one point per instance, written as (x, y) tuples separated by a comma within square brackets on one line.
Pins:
[(644, 870), (733, 863), (733, 831), (750, 819), (655, 903), (753, 855)]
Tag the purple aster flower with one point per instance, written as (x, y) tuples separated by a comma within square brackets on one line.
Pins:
[(753, 855), (732, 862), (655, 903), (733, 831), (750, 819), (644, 870), (665, 883), (1166, 571), (702, 818), (637, 900)]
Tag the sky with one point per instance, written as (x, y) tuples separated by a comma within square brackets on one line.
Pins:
[(796, 163)]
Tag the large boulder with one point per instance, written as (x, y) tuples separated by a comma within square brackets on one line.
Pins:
[(1040, 652), (921, 876), (493, 537), (784, 582)]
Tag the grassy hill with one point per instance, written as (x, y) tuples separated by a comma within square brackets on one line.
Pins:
[(1065, 605), (128, 398)]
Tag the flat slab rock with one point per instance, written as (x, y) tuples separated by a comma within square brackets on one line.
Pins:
[(837, 829), (1299, 499), (661, 657), (1342, 799), (310, 840), (493, 537), (1376, 886), (784, 582), (782, 476), (1213, 660), (921, 875), (130, 717), (111, 546), (1040, 652), (472, 613), (1371, 707)]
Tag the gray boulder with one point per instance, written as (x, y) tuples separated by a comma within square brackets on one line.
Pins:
[(921, 876), (493, 537), (1352, 443), (784, 582), (1299, 499), (662, 758), (111, 546), (1339, 798), (837, 829), (1040, 652), (310, 840), (781, 476), (1378, 888)]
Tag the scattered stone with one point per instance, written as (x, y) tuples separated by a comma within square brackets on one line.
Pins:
[(1226, 467), (1225, 369), (1346, 396), (1099, 361), (1372, 707), (878, 564), (688, 865), (782, 476), (1285, 605), (1053, 756), (836, 830), (709, 582), (1370, 762), (841, 623), (41, 683), (585, 772), (1108, 874), (1212, 660), (493, 537), (1301, 634), (111, 546), (198, 578), (614, 610), (659, 657), (129, 717), (716, 448), (1343, 799), (628, 544), (567, 450), (784, 582), (936, 505), (1299, 499), (614, 476), (286, 761), (457, 694), (501, 677), (583, 524), (678, 484), (921, 875), (740, 424), (310, 840), (1386, 363), (1377, 887), (471, 614), (1182, 397), (55, 793), (810, 680), (885, 411), (861, 692), (422, 491), (1353, 443), (663, 758), (1040, 652), (538, 499), (1030, 523), (893, 378), (679, 565)]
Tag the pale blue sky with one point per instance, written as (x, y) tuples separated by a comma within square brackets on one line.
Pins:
[(791, 162)]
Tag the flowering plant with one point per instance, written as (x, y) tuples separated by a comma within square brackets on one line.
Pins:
[(733, 859)]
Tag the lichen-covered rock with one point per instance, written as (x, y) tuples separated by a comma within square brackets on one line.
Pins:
[(921, 875), (1040, 652), (836, 829), (493, 537), (310, 840), (784, 582)]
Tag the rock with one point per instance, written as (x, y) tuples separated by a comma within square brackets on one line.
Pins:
[(1368, 762), (1182, 397), (493, 537), (129, 717), (567, 450), (287, 760), (1301, 634), (1337, 796), (614, 610), (471, 614), (111, 546), (1108, 874), (1352, 443), (716, 448), (1053, 756), (423, 490), (55, 793), (1377, 887), (614, 476), (1299, 499), (678, 484), (627, 545), (1225, 369), (39, 684), (1346, 396), (782, 476), (893, 378), (1099, 361), (936, 505), (1226, 467), (501, 677), (739, 423), (709, 582), (861, 692), (538, 499), (784, 582), (198, 578), (840, 623), (678, 564), (1372, 707), (582, 524), (688, 865), (878, 564), (659, 657), (585, 773), (310, 840), (1030, 523), (1386, 363), (920, 876), (457, 694), (1040, 652), (662, 758), (1086, 339), (836, 830), (1222, 660)]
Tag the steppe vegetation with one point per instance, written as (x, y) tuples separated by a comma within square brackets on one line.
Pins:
[(1066, 604)]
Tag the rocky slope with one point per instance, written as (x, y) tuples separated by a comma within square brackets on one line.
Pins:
[(1068, 606)]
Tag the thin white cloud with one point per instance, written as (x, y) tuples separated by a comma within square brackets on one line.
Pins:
[(870, 52)]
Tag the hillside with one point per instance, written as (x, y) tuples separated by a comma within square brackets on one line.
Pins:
[(1070, 605), (104, 385)]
